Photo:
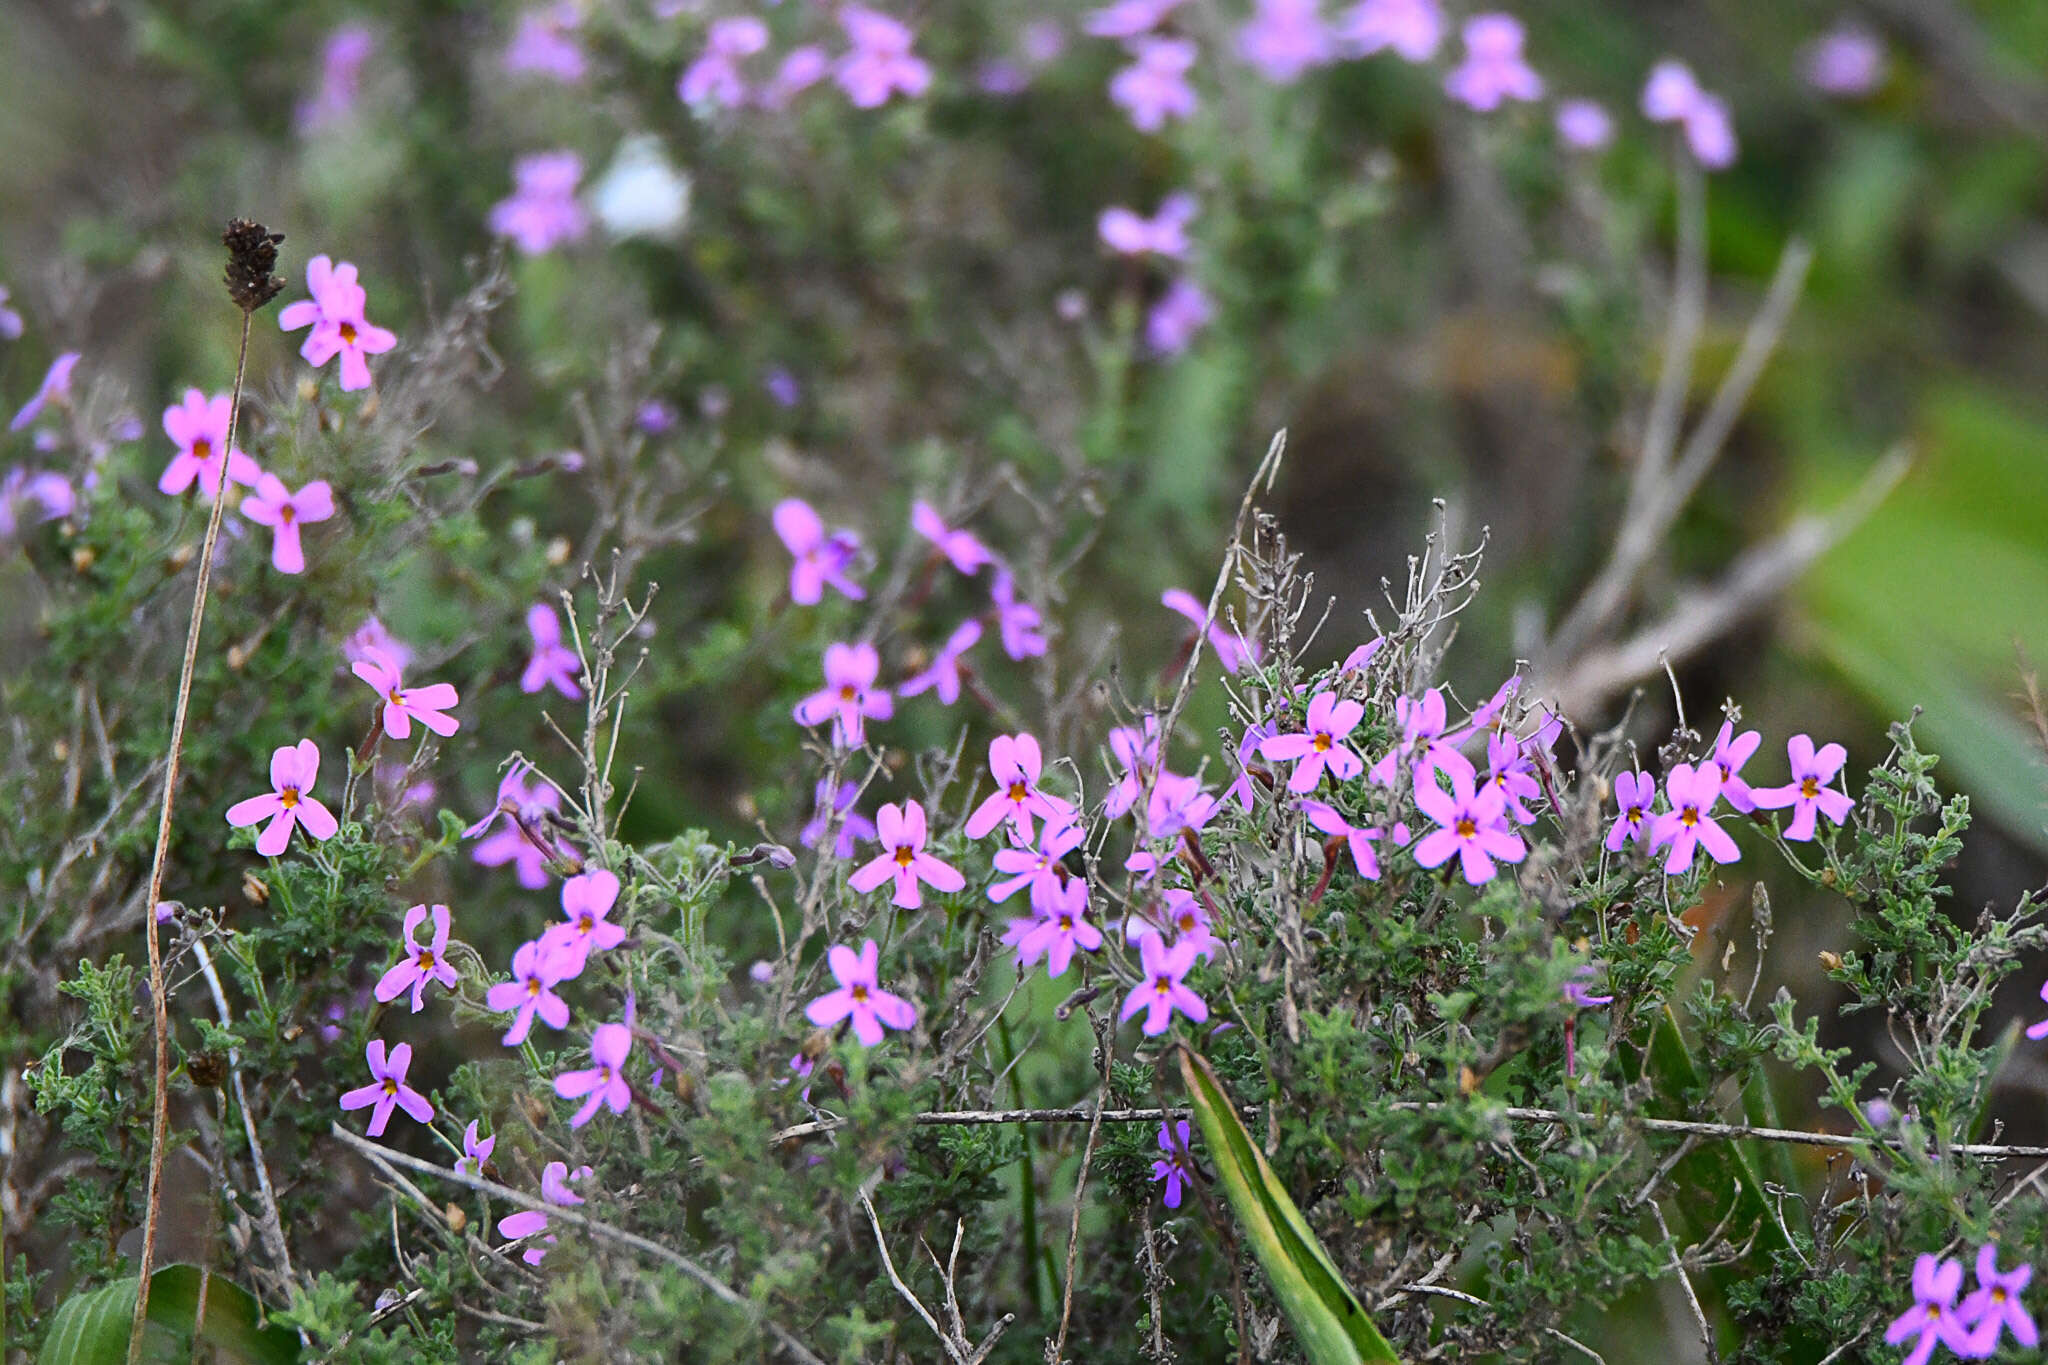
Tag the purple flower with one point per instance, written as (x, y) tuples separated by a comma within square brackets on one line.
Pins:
[(552, 661), (1584, 124), (1493, 69), (341, 77), (1285, 38), (1636, 793), (1357, 837), (1019, 622), (860, 996), (1128, 18), (1177, 803), (531, 991), (714, 78), (1182, 311), (543, 43), (273, 504), (420, 965), (1241, 787), (1181, 918), (1578, 997), (387, 1088), (1848, 61), (849, 696), (1421, 721), (586, 900), (1690, 821), (371, 636), (1163, 990), (33, 497), (1173, 1167), (881, 63), (335, 314), (853, 826), (1040, 868), (403, 705), (290, 803), (199, 428), (1411, 28), (1672, 95), (1154, 88), (1933, 1318), (554, 1188), (782, 387), (1321, 745), (1473, 826), (1229, 652), (942, 675), (1056, 931), (1808, 793), (1163, 234), (901, 833), (529, 808), (1995, 1305), (802, 68), (10, 321), (475, 1151), (962, 549), (1136, 747), (604, 1083), (55, 388), (1510, 770), (1016, 763), (820, 559), (543, 211), (1731, 751)]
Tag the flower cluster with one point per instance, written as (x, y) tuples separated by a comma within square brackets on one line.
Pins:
[(1972, 1328)]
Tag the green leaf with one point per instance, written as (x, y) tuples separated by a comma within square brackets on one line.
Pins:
[(1327, 1318), (92, 1329)]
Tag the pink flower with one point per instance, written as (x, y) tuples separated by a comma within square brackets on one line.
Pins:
[(1672, 95), (535, 974), (605, 1083), (1040, 868), (820, 559), (1358, 838), (963, 549), (1321, 746), (33, 497), (293, 770), (1731, 751), (901, 833), (542, 212), (881, 63), (1128, 18), (420, 965), (543, 43), (1015, 762), (1493, 69), (552, 661), (387, 1089), (55, 388), (1421, 721), (1163, 989), (1995, 1305), (1163, 234), (1808, 793), (528, 808), (1181, 917), (475, 1151), (943, 673), (554, 1188), (1584, 124), (860, 996), (335, 313), (199, 428), (801, 68), (10, 321), (1690, 821), (1933, 1318), (1181, 312), (1847, 61), (849, 696), (1285, 38), (1136, 748), (853, 826), (341, 76), (1471, 825), (1229, 652), (371, 636), (586, 899), (714, 78), (1412, 28), (1636, 792), (1154, 88), (276, 506), (1019, 622), (403, 705), (1057, 931), (1510, 771)]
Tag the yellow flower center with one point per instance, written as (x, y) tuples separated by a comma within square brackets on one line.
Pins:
[(426, 959), (288, 798), (1689, 817), (1467, 827), (1018, 791), (847, 692), (1321, 743), (904, 854), (390, 1086), (860, 993), (533, 986), (1809, 787), (396, 696)]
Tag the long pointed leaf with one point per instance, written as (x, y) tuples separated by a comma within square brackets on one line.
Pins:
[(92, 1329)]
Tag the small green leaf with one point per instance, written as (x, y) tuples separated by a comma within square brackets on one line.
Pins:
[(1327, 1318), (92, 1329)]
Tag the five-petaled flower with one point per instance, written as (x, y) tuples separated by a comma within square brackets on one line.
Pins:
[(1016, 763), (586, 899), (1154, 87), (1473, 825), (1128, 233), (849, 697), (604, 1083), (1321, 745), (283, 511), (820, 558), (335, 313), (1635, 792), (387, 1089), (1173, 1167), (554, 1188), (1493, 69), (1038, 868), (942, 675), (403, 705), (1994, 1305), (420, 965), (1578, 996), (903, 859), (1021, 624), (55, 388), (1689, 824), (543, 211), (853, 826), (1731, 751), (1232, 654), (475, 1151), (1057, 929), (881, 63), (1358, 838), (198, 426), (1808, 794), (860, 996), (519, 839), (536, 971), (1136, 747), (552, 661), (1162, 988), (1933, 1318), (962, 549), (290, 803)]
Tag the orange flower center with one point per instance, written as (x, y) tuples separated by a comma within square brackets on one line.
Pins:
[(1809, 788), (1322, 743), (390, 1086), (1467, 827), (1163, 985), (860, 993), (1689, 817), (533, 986), (348, 333), (847, 692), (286, 513), (426, 959), (289, 797), (1018, 791), (904, 853), (202, 450)]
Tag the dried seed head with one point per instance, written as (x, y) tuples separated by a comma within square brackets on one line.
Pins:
[(252, 256)]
